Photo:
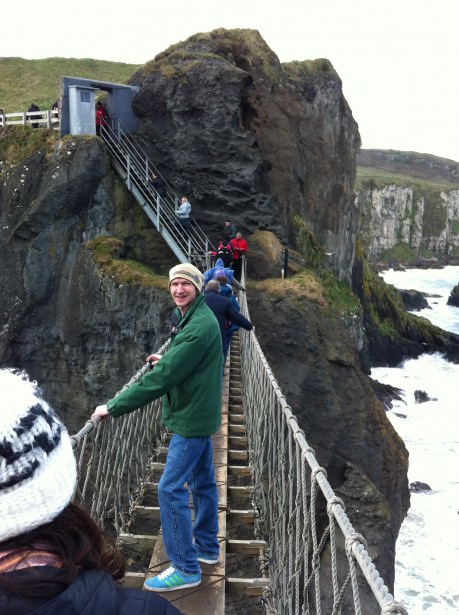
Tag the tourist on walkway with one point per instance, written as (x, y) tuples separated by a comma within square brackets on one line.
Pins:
[(239, 246), (225, 313), (220, 269), (158, 184), (188, 377), (101, 117), (54, 559), (224, 251), (32, 109), (227, 291), (229, 230), (183, 216)]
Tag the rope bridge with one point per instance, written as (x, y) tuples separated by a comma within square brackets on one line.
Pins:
[(318, 563)]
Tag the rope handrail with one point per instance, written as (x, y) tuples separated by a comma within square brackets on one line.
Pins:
[(288, 482), (113, 460)]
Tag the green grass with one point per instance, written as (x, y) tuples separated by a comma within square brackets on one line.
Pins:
[(383, 177), (25, 81), (17, 143), (106, 250)]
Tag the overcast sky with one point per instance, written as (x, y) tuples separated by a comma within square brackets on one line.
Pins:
[(398, 59)]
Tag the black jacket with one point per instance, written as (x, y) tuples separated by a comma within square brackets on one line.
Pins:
[(225, 312), (93, 593)]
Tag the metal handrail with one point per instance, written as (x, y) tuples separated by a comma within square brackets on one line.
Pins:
[(134, 167)]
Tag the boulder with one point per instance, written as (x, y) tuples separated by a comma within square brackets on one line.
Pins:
[(453, 298)]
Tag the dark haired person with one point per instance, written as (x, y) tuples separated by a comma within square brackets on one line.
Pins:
[(54, 559), (225, 313), (229, 230)]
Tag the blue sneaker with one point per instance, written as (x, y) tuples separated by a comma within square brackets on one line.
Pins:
[(172, 579), (207, 558)]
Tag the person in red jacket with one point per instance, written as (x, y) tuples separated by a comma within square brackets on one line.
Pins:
[(101, 116), (240, 247)]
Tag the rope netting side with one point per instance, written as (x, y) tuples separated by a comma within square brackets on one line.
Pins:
[(113, 460), (318, 562)]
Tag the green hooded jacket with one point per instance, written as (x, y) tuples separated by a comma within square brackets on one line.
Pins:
[(188, 376)]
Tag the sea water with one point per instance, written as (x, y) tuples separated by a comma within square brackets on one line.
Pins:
[(427, 550)]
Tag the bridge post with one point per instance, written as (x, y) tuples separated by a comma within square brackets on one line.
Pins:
[(158, 210), (285, 263), (128, 171)]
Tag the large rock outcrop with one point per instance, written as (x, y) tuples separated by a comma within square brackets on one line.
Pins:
[(246, 136), (77, 332)]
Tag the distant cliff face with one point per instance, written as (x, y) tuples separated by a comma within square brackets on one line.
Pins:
[(409, 201), (396, 215), (246, 136)]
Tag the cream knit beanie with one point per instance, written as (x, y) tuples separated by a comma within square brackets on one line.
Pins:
[(187, 272), (37, 465)]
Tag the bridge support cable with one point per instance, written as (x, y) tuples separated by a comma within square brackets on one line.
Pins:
[(112, 461), (134, 168), (318, 562)]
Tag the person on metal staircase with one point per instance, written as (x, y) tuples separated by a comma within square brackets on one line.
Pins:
[(183, 217)]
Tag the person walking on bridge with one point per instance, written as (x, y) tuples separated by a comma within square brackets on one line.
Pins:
[(220, 269), (188, 378), (225, 313)]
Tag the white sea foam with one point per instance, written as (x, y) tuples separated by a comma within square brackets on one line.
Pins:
[(427, 553)]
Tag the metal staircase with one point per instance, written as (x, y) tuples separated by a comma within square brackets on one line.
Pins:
[(134, 168)]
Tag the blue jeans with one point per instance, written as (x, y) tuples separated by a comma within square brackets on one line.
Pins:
[(189, 460)]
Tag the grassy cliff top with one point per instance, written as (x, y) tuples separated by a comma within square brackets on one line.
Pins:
[(399, 168), (25, 81), (379, 177)]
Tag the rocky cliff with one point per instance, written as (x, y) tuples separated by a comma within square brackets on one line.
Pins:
[(83, 296), (246, 136), (411, 207)]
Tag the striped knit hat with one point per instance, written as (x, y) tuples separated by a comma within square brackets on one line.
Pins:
[(37, 465)]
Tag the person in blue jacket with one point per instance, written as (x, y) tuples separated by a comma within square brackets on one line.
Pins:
[(220, 269), (54, 558), (227, 291), (225, 312)]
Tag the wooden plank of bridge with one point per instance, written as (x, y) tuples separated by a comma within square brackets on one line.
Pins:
[(209, 597)]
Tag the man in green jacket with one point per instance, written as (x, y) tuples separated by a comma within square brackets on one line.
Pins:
[(188, 377)]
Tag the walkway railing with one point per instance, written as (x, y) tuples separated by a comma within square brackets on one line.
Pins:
[(134, 167), (49, 118), (315, 553), (113, 461)]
